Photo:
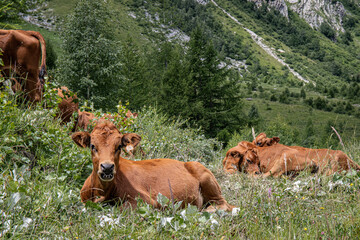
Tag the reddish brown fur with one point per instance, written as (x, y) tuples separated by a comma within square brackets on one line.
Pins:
[(130, 114), (189, 182), (21, 54), (261, 140), (280, 159), (83, 120), (69, 104), (236, 159)]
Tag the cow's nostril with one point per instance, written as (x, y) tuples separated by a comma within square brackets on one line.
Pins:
[(257, 173), (107, 167)]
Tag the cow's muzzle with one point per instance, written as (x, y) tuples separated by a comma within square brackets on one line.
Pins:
[(106, 172)]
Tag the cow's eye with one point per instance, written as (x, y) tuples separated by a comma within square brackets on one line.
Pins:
[(248, 160), (118, 148), (92, 147)]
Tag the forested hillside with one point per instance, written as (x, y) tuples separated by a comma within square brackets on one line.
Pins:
[(200, 74), (152, 52)]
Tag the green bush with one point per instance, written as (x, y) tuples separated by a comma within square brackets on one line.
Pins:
[(171, 138)]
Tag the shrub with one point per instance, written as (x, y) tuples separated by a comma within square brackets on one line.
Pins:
[(170, 138)]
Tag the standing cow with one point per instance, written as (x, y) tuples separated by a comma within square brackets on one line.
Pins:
[(21, 55)]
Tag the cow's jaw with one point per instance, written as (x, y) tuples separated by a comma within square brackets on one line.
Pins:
[(106, 177)]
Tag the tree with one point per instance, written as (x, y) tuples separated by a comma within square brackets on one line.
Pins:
[(328, 31), (90, 65), (303, 93), (10, 9), (132, 87), (254, 116), (309, 138), (206, 94)]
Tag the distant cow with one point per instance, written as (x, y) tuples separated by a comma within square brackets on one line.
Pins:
[(279, 159), (21, 55), (83, 120), (236, 159), (131, 143), (262, 140), (69, 104), (115, 179)]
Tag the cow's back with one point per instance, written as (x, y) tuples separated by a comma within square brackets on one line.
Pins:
[(268, 156), (166, 176)]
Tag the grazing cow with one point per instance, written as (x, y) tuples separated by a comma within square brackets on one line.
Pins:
[(21, 55), (69, 104), (280, 159), (236, 159), (116, 179), (131, 143)]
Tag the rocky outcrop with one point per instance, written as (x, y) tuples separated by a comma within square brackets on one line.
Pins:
[(279, 5), (315, 12), (260, 42)]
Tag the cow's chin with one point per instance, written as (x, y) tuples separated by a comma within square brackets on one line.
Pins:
[(106, 177)]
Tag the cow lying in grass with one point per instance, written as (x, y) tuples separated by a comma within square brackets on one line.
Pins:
[(262, 140), (277, 159), (116, 179), (236, 159)]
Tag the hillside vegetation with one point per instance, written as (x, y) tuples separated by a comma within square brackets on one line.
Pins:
[(199, 84)]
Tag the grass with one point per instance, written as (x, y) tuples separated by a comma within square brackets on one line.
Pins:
[(44, 202), (297, 116)]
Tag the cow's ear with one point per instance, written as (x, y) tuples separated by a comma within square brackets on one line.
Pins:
[(82, 139), (136, 138), (274, 140), (261, 135)]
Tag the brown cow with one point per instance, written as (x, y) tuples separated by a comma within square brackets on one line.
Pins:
[(83, 120), (236, 159), (261, 140), (69, 104), (21, 55), (130, 114), (131, 143), (116, 179), (280, 159)]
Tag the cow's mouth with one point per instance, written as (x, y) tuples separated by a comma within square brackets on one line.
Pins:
[(106, 176)]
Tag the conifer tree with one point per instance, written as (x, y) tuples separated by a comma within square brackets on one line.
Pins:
[(213, 97), (133, 87), (90, 65), (254, 116)]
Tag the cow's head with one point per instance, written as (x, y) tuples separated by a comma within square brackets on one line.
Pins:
[(130, 114), (262, 141), (130, 141), (244, 159), (105, 145)]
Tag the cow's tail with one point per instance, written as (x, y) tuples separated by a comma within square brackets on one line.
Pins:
[(43, 54), (354, 165), (350, 163)]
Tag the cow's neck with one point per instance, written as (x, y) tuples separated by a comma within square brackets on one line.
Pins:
[(106, 187)]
